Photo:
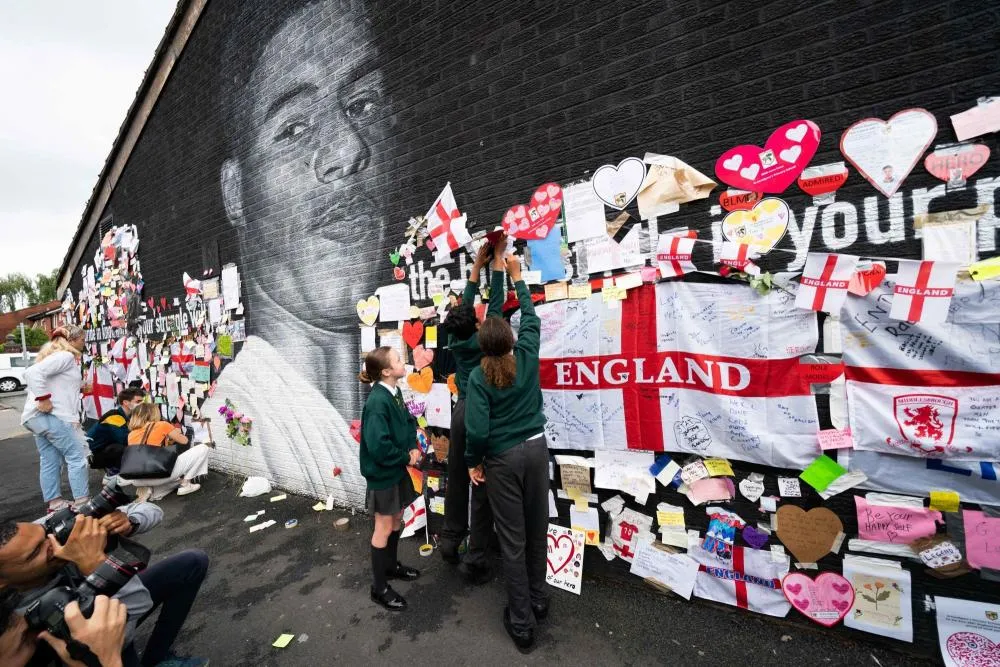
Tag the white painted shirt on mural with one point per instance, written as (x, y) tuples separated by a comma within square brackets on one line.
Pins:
[(297, 438)]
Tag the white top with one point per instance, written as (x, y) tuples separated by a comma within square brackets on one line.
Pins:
[(391, 390), (58, 374)]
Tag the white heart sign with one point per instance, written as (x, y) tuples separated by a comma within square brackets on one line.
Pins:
[(617, 186), (885, 152), (751, 490)]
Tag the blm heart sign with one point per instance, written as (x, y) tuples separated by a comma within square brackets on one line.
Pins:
[(774, 167), (825, 600), (564, 558), (534, 219)]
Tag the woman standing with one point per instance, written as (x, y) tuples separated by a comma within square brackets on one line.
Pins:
[(52, 415), (146, 428), (505, 428)]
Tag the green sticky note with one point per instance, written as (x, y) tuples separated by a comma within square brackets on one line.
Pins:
[(822, 472), (224, 344), (283, 641)]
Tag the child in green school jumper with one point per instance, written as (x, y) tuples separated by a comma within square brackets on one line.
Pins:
[(388, 444), (505, 429), (461, 328)]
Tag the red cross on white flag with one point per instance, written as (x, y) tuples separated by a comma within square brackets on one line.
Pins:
[(446, 225), (102, 393), (824, 282), (673, 254), (923, 291), (739, 256)]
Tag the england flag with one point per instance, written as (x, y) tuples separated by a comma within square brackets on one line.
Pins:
[(673, 255), (824, 281), (740, 257), (923, 291), (446, 225)]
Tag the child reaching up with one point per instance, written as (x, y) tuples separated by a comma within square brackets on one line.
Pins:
[(388, 444)]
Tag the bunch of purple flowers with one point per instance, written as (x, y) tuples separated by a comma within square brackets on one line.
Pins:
[(238, 425)]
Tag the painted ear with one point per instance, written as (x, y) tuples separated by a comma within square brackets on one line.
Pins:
[(231, 178)]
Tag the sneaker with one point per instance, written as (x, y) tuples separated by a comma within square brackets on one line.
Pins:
[(185, 489), (178, 661), (389, 599), (524, 640), (143, 494)]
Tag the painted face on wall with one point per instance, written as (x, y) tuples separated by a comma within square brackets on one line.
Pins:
[(305, 189)]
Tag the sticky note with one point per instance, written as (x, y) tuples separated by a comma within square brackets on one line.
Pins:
[(628, 281), (821, 472), (283, 641), (670, 518), (718, 467), (579, 291), (422, 421), (613, 293), (556, 291), (430, 337), (944, 501), (833, 438), (986, 269), (648, 274), (581, 503)]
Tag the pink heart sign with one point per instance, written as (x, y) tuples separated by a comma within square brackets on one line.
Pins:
[(825, 600), (422, 357), (534, 219), (773, 168), (885, 151), (957, 163)]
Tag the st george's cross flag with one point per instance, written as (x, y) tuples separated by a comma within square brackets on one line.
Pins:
[(673, 255), (740, 257), (708, 369), (751, 579), (923, 291), (446, 225), (824, 281), (101, 397)]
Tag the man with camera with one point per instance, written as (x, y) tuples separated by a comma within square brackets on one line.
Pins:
[(65, 558)]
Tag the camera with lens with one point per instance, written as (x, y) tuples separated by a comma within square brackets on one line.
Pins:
[(123, 560)]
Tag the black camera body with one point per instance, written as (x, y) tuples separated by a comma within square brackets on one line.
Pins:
[(124, 559)]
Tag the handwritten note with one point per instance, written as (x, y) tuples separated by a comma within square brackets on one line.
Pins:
[(394, 302), (564, 558), (945, 501), (835, 438), (896, 525), (675, 571), (575, 479), (579, 291), (719, 467), (982, 540), (789, 487)]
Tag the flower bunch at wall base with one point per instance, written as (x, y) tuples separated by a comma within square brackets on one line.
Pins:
[(238, 425)]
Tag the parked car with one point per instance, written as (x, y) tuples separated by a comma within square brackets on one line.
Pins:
[(12, 367)]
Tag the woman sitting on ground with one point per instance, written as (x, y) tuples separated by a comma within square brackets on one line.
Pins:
[(147, 428)]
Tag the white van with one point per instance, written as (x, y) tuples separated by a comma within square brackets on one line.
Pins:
[(12, 367)]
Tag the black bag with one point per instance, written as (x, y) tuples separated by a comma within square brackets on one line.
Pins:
[(148, 461)]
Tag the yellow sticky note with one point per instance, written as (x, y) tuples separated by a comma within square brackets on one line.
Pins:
[(556, 291), (422, 421), (579, 291), (581, 503), (670, 518), (283, 641), (986, 269), (944, 501), (719, 467), (430, 337), (613, 293)]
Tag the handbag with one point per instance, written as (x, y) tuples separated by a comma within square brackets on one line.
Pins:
[(148, 461)]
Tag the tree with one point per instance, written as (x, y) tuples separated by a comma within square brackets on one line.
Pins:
[(46, 286), (16, 291), (33, 336)]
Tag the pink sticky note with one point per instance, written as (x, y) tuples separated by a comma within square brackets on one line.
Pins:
[(711, 488), (982, 539), (833, 438), (980, 119), (897, 525), (648, 274)]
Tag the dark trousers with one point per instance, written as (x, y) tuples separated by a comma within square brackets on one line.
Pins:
[(456, 499), (519, 495), (173, 584)]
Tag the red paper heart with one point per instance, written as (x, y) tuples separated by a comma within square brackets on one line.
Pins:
[(773, 168), (534, 219), (555, 545), (739, 200), (356, 430), (969, 159), (413, 332), (821, 185), (398, 273), (863, 282)]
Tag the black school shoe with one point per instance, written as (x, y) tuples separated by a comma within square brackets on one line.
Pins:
[(403, 572), (541, 610), (389, 599), (474, 575), (524, 641)]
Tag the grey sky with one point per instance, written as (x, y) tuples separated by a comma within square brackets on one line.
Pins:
[(69, 70)]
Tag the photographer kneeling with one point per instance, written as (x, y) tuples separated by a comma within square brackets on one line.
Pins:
[(32, 561)]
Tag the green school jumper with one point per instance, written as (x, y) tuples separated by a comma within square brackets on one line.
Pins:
[(466, 352), (388, 433), (498, 419)]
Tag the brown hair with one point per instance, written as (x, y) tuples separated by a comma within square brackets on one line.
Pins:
[(376, 361), (496, 340), (143, 415), (130, 393)]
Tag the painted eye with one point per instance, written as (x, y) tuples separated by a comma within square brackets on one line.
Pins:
[(361, 107), (291, 131)]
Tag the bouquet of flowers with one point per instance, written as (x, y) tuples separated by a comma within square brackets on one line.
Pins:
[(238, 425)]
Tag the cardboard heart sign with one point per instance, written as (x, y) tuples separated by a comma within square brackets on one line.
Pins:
[(356, 430), (865, 280), (617, 186), (368, 310), (761, 227), (885, 152), (739, 200), (413, 332), (825, 600), (421, 382), (534, 219), (971, 649), (957, 163), (808, 535), (751, 490), (823, 179), (422, 357), (773, 168)]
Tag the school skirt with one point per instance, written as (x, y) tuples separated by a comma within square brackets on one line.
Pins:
[(393, 499)]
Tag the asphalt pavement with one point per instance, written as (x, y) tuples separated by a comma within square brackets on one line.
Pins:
[(312, 581)]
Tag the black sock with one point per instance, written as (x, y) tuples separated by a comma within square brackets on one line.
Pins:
[(379, 559), (392, 547)]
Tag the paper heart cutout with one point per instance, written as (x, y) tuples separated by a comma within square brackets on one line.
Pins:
[(885, 152), (971, 649), (556, 552), (773, 168), (452, 385), (755, 538), (356, 430), (739, 200), (967, 159), (394, 258), (823, 179), (398, 273), (825, 600), (415, 407), (751, 490), (527, 221), (618, 186), (413, 332), (422, 357), (368, 310), (422, 381), (808, 535), (761, 227), (863, 282)]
